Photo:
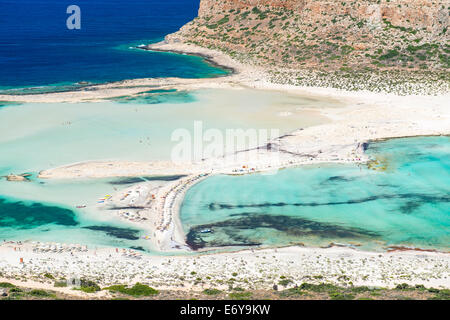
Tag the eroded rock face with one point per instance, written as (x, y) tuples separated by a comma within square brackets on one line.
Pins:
[(208, 7), (399, 46), (364, 35), (429, 14)]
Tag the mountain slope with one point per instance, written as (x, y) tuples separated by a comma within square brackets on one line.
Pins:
[(320, 42)]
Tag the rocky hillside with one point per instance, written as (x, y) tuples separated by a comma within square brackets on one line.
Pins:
[(320, 42)]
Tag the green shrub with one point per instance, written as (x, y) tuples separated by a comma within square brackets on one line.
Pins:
[(89, 286), (284, 282), (137, 290), (255, 10), (223, 20), (41, 293), (341, 296), (16, 293), (6, 285), (212, 292), (403, 286), (240, 295), (361, 289), (443, 294), (89, 289), (389, 55), (323, 287), (60, 284), (420, 287), (292, 292)]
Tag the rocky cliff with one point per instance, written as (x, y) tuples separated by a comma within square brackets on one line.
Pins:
[(432, 15), (363, 36)]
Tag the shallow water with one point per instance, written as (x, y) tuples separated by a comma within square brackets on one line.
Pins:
[(406, 203), (34, 137), (46, 211)]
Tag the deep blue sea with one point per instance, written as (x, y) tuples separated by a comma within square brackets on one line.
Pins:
[(37, 48)]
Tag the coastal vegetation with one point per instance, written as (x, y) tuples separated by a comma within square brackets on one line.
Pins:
[(337, 47), (138, 290), (12, 292), (321, 291), (212, 292), (89, 286)]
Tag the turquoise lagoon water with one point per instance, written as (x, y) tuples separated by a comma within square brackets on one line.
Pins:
[(35, 137), (407, 203)]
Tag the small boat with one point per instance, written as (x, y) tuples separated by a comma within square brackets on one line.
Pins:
[(206, 231), (81, 207)]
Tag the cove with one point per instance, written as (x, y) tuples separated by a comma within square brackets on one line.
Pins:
[(406, 203)]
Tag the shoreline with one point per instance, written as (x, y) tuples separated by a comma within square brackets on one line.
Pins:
[(130, 87), (163, 212), (78, 86), (256, 269), (210, 59), (366, 117)]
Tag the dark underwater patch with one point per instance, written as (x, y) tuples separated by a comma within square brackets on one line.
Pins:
[(386, 185), (120, 233), (365, 146), (133, 180), (21, 215), (9, 103), (337, 179), (410, 206), (157, 97), (416, 197), (231, 230), (126, 208), (138, 249), (161, 91), (44, 90)]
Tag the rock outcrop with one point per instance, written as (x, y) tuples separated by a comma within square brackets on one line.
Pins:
[(364, 36)]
